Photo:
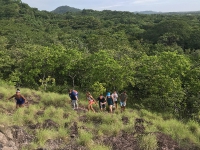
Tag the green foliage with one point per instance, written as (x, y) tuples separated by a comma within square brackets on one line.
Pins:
[(100, 147), (92, 127), (159, 80), (44, 135), (47, 81), (98, 88), (84, 138), (148, 142), (64, 9), (154, 57)]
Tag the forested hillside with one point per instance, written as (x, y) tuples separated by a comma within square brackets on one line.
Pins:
[(64, 9), (154, 57)]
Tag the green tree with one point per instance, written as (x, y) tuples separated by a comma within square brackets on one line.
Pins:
[(159, 81), (102, 67)]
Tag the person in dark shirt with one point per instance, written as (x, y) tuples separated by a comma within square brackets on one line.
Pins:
[(74, 98), (123, 99), (102, 102)]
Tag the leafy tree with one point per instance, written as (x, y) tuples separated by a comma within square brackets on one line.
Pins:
[(102, 67), (159, 81), (98, 88)]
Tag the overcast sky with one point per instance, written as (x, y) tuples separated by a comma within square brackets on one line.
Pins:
[(121, 5)]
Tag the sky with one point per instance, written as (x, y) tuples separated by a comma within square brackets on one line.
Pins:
[(119, 5)]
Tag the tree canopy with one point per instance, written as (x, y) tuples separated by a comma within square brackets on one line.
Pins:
[(154, 57)]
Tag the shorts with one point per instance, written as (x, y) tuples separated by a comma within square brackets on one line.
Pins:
[(123, 104), (91, 102), (115, 102), (102, 105), (110, 103), (20, 102)]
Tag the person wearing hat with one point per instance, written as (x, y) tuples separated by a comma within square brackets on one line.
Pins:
[(123, 99), (20, 99), (109, 100)]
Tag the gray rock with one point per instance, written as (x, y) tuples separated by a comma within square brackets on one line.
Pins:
[(3, 139), (9, 134), (8, 148)]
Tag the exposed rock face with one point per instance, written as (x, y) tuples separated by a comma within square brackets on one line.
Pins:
[(6, 139), (13, 138)]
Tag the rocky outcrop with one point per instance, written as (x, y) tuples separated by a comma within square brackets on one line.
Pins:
[(13, 138)]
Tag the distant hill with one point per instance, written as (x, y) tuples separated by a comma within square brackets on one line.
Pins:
[(147, 12), (155, 12), (64, 9)]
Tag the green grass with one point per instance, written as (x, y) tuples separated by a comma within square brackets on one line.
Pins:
[(99, 147), (43, 135), (6, 120), (85, 138), (101, 124), (148, 142)]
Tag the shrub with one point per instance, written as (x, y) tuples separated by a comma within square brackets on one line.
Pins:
[(99, 147), (193, 127), (177, 130), (18, 117), (85, 138), (53, 99), (43, 135), (148, 142)]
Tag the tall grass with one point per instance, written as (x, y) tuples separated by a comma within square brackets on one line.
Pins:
[(148, 142), (99, 147), (85, 138), (43, 135), (177, 130), (56, 106), (5, 119), (18, 117), (56, 100)]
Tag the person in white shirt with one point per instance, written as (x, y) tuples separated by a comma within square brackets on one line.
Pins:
[(115, 97)]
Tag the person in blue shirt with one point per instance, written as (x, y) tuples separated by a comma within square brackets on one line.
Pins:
[(73, 94), (20, 99)]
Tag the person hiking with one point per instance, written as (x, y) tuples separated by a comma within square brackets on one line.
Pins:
[(74, 98), (102, 102), (20, 99), (109, 100), (123, 99), (115, 97), (91, 101)]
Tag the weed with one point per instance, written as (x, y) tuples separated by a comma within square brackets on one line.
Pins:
[(148, 142), (85, 138), (99, 147), (44, 135)]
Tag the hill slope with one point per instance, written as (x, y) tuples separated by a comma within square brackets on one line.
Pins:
[(49, 122), (64, 9)]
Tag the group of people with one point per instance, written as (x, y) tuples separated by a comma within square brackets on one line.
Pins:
[(111, 100)]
